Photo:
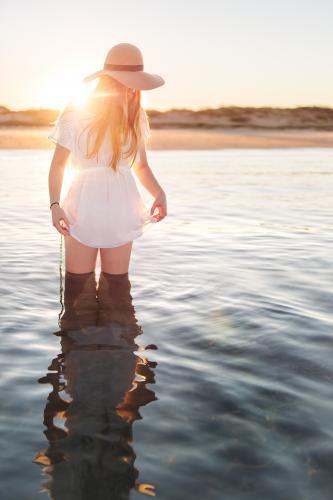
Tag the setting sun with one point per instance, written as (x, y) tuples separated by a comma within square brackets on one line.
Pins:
[(60, 89)]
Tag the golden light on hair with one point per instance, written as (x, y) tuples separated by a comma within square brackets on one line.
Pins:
[(116, 114)]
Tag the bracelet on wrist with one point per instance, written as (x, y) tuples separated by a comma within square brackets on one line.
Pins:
[(54, 203)]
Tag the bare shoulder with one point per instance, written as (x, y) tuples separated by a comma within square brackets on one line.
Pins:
[(69, 111)]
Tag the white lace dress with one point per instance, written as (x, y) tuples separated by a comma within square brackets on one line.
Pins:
[(105, 208)]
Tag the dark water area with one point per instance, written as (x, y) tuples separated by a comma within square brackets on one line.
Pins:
[(207, 374)]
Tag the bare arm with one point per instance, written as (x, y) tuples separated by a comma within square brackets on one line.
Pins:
[(55, 180), (149, 181)]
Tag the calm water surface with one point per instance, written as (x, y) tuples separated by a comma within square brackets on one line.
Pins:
[(211, 377)]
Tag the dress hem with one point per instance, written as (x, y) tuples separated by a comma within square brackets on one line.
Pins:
[(112, 246)]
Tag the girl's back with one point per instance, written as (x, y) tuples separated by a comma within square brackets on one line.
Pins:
[(71, 132), (103, 205)]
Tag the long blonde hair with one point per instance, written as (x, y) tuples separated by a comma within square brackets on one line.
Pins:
[(116, 111)]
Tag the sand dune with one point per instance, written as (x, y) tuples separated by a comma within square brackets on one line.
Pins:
[(314, 117), (224, 127)]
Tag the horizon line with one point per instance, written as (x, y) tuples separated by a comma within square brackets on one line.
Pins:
[(200, 109)]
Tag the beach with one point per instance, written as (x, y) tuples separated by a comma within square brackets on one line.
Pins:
[(189, 355), (23, 137)]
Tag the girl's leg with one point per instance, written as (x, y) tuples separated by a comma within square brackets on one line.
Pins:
[(79, 258), (80, 303), (116, 260), (113, 292)]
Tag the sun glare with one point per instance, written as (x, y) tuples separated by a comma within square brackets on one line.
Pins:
[(61, 90)]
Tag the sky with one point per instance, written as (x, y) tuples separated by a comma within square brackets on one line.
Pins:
[(210, 53)]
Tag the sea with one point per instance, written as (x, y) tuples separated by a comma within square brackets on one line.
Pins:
[(211, 375)]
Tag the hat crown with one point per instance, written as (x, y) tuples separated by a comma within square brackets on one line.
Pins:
[(124, 53)]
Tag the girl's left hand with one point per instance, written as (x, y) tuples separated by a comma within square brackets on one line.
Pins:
[(160, 203)]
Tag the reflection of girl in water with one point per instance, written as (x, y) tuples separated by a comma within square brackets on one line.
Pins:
[(95, 395)]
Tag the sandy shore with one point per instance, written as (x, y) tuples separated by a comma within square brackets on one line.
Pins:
[(36, 138)]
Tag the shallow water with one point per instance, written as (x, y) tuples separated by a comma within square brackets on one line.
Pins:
[(218, 384)]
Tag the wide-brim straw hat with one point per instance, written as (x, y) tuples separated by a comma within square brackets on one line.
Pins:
[(124, 62)]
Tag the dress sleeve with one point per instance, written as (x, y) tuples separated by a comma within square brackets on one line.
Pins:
[(62, 132), (144, 125), (145, 132)]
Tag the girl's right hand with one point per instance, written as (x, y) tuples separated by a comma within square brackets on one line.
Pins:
[(160, 203), (60, 220)]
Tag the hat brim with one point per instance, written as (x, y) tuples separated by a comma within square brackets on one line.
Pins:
[(133, 79)]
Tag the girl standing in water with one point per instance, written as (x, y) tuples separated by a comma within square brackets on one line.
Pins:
[(106, 138)]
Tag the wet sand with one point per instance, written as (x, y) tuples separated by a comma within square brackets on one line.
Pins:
[(36, 138)]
